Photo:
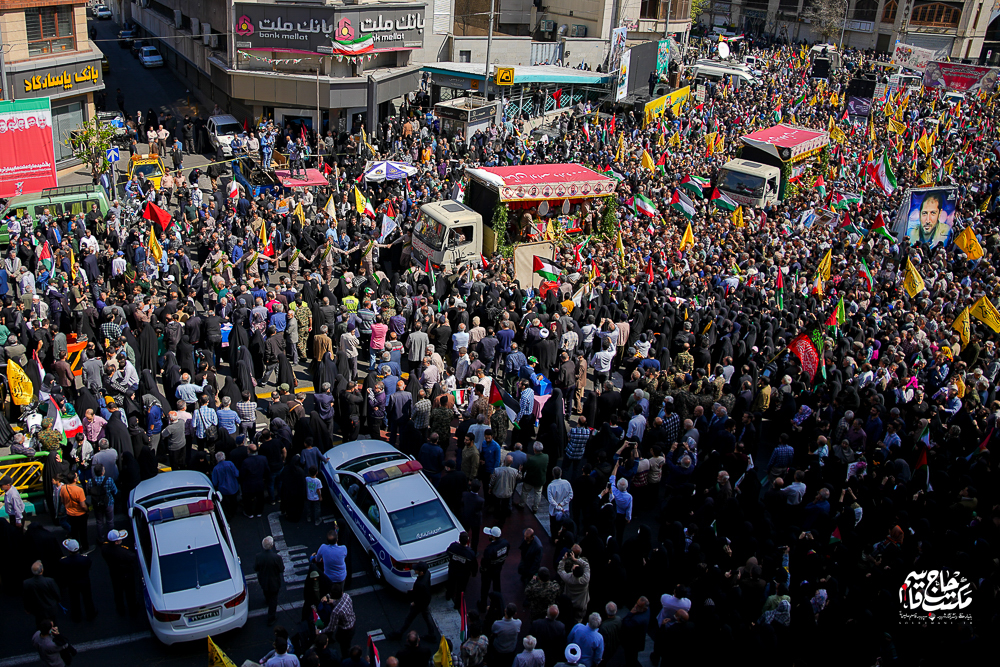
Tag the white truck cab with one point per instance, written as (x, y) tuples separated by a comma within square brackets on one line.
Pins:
[(448, 233), (221, 131), (750, 183)]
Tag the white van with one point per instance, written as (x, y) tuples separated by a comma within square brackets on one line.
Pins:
[(222, 129), (712, 71)]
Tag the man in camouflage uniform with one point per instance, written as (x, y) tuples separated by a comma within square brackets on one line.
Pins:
[(685, 360), (303, 315)]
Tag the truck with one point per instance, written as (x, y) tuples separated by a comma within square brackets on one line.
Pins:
[(768, 160), (449, 233), (254, 179)]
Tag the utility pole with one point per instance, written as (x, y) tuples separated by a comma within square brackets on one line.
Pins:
[(3, 72), (666, 29), (843, 25), (489, 47), (319, 114)]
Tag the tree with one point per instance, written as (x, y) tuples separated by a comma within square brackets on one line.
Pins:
[(826, 17), (90, 143), (698, 7)]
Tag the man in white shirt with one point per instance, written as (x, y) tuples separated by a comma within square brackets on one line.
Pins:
[(636, 425), (793, 492), (560, 494), (90, 242)]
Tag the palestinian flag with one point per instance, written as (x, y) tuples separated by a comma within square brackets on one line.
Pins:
[(611, 173), (866, 274), (661, 162), (695, 185), (777, 113), (881, 173), (722, 200), (429, 270), (922, 459), (820, 186), (544, 267), (843, 200), (682, 203), (46, 256), (779, 287), (645, 206), (510, 405), (879, 227), (354, 47)]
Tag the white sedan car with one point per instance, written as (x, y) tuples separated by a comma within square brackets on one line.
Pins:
[(102, 12), (150, 57), (192, 582), (393, 510)]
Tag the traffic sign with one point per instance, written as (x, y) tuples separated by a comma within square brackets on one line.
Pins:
[(113, 155)]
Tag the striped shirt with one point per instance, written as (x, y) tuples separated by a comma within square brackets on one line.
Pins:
[(203, 418), (228, 419), (578, 438), (527, 405), (247, 411)]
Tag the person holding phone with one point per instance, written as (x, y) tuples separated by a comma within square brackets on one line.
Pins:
[(623, 502)]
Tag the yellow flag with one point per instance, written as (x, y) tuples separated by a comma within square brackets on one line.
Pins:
[(888, 109), (647, 161), (710, 143), (675, 140), (829, 124), (925, 143), (834, 100), (871, 129), (738, 217), (927, 177), (443, 656), (688, 238), (621, 147), (300, 214), (896, 126), (969, 244), (985, 205), (72, 265), (984, 311), (20, 386), (154, 245), (824, 266), (720, 143), (812, 101), (619, 246), (913, 283), (963, 326), (216, 658), (661, 140), (360, 201), (262, 234), (837, 135)]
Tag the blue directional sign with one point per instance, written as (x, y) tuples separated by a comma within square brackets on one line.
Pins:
[(113, 155)]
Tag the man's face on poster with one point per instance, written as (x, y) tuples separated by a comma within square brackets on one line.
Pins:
[(930, 211)]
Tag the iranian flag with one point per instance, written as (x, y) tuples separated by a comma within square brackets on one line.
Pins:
[(354, 47), (695, 185), (65, 421), (46, 256), (682, 203), (546, 268), (234, 190), (722, 200), (645, 206), (882, 174)]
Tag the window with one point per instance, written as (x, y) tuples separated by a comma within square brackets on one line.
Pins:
[(461, 235), (193, 569), (649, 9), (420, 521), (936, 14), (465, 56), (50, 30), (865, 10), (889, 12)]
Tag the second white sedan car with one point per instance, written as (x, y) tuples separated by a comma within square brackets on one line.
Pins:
[(150, 57), (192, 582), (102, 12), (393, 510)]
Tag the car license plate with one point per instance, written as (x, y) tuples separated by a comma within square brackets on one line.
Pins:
[(204, 616)]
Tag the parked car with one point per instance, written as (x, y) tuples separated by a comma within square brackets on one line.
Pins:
[(221, 130), (192, 581), (125, 38), (102, 12), (138, 45), (392, 508), (150, 57)]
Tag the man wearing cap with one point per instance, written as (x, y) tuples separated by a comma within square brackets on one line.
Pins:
[(491, 565), (122, 563), (75, 569)]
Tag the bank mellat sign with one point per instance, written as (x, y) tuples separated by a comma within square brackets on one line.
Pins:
[(393, 27)]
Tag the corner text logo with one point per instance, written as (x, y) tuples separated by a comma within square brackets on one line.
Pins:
[(935, 596)]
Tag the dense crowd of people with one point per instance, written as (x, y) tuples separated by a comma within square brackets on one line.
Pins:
[(694, 470)]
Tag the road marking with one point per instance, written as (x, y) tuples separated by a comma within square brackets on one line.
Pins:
[(29, 658), (278, 533)]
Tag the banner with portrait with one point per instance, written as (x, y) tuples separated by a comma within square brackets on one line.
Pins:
[(859, 107), (927, 215), (662, 56), (960, 78), (912, 57)]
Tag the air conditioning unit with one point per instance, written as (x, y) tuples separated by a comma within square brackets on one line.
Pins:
[(178, 19), (195, 27), (579, 31), (547, 26), (206, 33)]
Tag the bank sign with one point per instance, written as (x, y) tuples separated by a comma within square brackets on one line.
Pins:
[(392, 27)]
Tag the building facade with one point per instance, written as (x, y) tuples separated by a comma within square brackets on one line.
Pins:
[(956, 30), (47, 53)]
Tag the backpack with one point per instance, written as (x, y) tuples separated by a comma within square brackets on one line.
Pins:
[(99, 499)]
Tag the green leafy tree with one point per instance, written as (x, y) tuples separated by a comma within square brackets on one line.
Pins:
[(699, 7), (90, 143)]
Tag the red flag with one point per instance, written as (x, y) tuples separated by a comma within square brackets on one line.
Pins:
[(486, 264), (649, 271), (803, 348), (557, 96), (245, 125), (846, 222), (327, 169), (389, 210), (154, 213), (611, 127)]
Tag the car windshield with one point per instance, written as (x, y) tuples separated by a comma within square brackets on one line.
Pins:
[(193, 569), (420, 521), (747, 185), (150, 51), (229, 128), (151, 169), (431, 232)]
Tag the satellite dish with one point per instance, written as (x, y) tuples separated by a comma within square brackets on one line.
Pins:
[(724, 51), (543, 208)]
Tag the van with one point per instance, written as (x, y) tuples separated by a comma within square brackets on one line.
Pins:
[(716, 72), (221, 131), (66, 200)]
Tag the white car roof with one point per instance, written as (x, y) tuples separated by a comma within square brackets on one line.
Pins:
[(395, 494), (179, 535), (177, 480), (349, 451)]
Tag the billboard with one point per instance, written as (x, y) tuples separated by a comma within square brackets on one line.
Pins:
[(621, 87), (662, 56), (912, 57), (960, 78), (27, 149), (859, 106), (927, 215), (618, 37)]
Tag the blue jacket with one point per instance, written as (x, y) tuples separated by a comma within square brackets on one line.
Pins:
[(225, 477)]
